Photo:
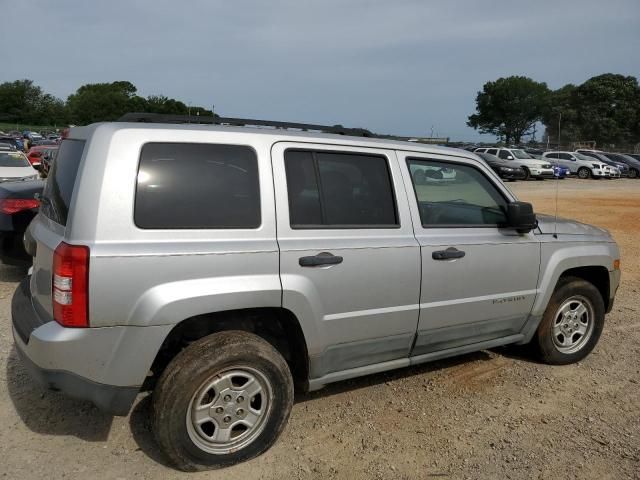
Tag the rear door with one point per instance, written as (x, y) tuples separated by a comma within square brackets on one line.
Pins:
[(349, 261), (478, 279), (48, 228)]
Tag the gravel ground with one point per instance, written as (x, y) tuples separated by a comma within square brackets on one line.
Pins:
[(492, 414)]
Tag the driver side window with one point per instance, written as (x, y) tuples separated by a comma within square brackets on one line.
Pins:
[(504, 154), (455, 195)]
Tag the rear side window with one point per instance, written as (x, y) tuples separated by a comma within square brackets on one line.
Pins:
[(339, 190), (194, 185), (62, 178)]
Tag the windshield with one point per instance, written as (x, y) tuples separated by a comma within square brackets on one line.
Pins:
[(521, 154), (13, 159)]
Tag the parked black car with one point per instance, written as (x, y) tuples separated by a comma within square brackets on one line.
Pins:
[(633, 164), (17, 208), (505, 170)]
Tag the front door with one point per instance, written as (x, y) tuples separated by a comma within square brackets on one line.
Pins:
[(349, 262), (478, 279)]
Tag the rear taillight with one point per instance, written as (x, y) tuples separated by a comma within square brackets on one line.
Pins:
[(9, 206), (70, 285)]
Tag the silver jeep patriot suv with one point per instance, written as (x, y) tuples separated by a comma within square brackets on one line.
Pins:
[(221, 266)]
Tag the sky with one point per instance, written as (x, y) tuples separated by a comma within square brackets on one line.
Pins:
[(402, 67)]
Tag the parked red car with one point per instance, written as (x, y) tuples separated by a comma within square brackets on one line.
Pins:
[(35, 154)]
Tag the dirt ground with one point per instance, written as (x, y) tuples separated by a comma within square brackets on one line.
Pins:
[(492, 414)]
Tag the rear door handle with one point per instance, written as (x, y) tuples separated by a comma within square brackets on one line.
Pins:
[(448, 254), (324, 258)]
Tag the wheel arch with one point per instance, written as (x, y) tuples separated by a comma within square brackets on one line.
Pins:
[(591, 262), (279, 326)]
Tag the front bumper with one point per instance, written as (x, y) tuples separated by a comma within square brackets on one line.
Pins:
[(614, 283), (542, 174), (106, 366), (513, 175)]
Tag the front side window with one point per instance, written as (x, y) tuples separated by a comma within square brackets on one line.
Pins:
[(455, 195), (521, 154), (339, 190), (505, 154), (197, 185)]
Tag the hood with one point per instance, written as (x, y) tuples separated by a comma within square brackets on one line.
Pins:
[(16, 172), (547, 225)]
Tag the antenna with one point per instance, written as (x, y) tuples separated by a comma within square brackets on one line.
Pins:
[(555, 222)]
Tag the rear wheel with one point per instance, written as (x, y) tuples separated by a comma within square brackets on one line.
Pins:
[(224, 399), (572, 323), (584, 173)]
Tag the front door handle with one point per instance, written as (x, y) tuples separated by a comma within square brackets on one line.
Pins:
[(324, 258), (448, 254)]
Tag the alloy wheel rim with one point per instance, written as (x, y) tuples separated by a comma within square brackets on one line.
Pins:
[(229, 410), (573, 324)]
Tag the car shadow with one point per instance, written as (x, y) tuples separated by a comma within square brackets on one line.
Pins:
[(50, 413), (12, 273), (141, 430), (523, 353), (390, 376)]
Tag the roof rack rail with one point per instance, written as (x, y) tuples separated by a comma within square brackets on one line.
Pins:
[(245, 122)]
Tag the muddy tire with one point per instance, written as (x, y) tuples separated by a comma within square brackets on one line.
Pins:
[(223, 400), (571, 324)]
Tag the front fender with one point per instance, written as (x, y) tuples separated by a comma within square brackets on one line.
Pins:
[(557, 258)]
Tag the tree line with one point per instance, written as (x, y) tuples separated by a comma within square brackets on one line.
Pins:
[(604, 109), (23, 102)]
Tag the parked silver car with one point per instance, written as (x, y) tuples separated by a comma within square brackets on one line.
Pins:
[(223, 266), (582, 165), (533, 168)]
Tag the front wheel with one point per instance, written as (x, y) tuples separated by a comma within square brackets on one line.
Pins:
[(572, 323), (527, 173), (584, 173), (633, 173), (223, 400)]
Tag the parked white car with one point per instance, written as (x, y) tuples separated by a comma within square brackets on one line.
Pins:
[(534, 168), (15, 166), (582, 165)]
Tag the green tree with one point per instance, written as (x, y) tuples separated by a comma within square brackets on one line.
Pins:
[(509, 107), (162, 104), (23, 102), (609, 109), (100, 102), (605, 109), (563, 111)]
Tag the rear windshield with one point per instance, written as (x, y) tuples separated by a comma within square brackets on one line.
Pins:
[(62, 177), (13, 159)]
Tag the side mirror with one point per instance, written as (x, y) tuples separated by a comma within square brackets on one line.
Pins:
[(521, 217), (509, 157)]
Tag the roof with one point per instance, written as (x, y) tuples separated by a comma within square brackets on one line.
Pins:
[(280, 134)]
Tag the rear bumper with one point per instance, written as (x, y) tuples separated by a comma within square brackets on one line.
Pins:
[(106, 365), (109, 398)]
